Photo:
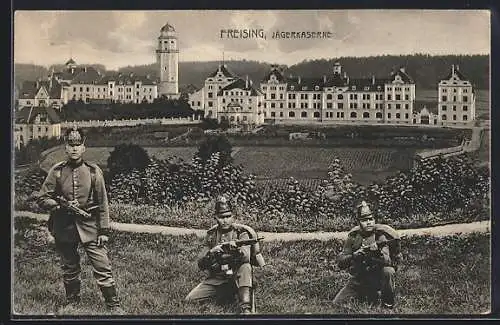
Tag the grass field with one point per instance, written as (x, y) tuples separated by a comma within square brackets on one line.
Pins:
[(366, 165), (100, 154), (154, 273)]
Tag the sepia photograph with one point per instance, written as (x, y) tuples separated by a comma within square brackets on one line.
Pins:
[(251, 163)]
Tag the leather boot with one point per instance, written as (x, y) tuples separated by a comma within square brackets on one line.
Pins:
[(244, 300), (111, 300), (72, 292)]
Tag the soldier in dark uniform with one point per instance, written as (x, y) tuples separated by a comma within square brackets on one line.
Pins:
[(229, 271), (370, 253), (81, 183)]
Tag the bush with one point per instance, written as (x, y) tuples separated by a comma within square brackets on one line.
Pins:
[(127, 157), (215, 144)]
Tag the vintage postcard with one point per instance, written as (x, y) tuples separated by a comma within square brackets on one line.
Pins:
[(254, 162)]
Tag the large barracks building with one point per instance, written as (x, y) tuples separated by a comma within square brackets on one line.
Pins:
[(331, 98)]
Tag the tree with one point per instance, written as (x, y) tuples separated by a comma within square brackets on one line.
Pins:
[(126, 157), (213, 144)]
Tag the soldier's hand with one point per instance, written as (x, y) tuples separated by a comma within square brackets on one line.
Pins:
[(216, 249), (360, 252), (102, 240), (51, 205), (373, 246), (74, 203)]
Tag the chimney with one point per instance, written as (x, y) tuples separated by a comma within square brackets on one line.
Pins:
[(246, 82), (84, 69), (456, 67), (402, 69), (373, 79), (452, 69), (300, 80), (324, 79), (347, 79)]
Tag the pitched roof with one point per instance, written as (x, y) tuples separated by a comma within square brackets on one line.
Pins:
[(455, 72), (304, 84), (404, 76), (70, 61), (240, 84), (86, 75), (28, 114), (28, 90), (225, 72), (277, 73), (367, 84), (126, 79)]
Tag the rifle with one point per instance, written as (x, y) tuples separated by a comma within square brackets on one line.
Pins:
[(242, 242), (63, 202), (370, 251), (227, 247)]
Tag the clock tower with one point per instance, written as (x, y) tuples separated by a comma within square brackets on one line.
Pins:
[(167, 54)]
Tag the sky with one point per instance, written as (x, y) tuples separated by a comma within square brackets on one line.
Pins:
[(121, 38)]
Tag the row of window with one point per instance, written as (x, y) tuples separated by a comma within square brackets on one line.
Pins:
[(454, 99), (465, 108), (341, 115), (98, 89), (378, 115), (444, 90), (39, 129)]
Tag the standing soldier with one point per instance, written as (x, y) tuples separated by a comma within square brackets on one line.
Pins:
[(73, 188), (371, 253), (228, 263)]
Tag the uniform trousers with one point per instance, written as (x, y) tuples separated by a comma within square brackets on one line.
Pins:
[(367, 287), (97, 255), (222, 286)]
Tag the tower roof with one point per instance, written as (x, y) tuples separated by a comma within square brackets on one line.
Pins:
[(70, 61), (167, 28)]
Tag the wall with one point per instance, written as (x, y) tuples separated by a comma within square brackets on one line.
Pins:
[(130, 122)]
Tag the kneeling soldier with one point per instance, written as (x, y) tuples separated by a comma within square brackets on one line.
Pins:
[(370, 252), (231, 248)]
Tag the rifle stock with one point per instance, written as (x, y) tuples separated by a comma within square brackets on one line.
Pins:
[(243, 242), (63, 202)]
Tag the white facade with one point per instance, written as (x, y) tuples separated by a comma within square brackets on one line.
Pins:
[(456, 100), (168, 60), (35, 123)]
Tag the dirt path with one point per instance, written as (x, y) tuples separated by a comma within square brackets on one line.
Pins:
[(462, 228)]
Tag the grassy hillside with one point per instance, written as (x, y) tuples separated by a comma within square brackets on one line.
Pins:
[(366, 165), (154, 273)]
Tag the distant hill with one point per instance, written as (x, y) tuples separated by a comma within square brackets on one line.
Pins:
[(426, 70)]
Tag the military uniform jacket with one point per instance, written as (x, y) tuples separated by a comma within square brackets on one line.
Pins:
[(85, 183), (356, 239), (215, 236)]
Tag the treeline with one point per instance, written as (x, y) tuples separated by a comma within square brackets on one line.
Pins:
[(79, 111), (426, 70)]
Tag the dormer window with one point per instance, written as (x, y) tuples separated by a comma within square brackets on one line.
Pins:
[(353, 87), (292, 87), (367, 88), (304, 88), (316, 87)]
